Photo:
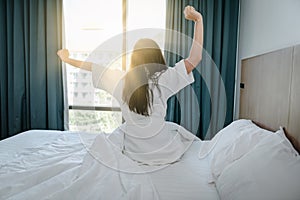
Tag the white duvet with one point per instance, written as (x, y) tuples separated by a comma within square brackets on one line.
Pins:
[(56, 170), (63, 165)]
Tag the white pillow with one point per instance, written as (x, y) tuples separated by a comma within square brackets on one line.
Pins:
[(287, 141), (270, 171), (226, 138), (247, 140), (223, 138)]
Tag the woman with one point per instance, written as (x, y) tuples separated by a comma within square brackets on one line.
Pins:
[(143, 92)]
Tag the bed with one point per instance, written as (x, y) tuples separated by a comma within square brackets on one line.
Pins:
[(255, 157)]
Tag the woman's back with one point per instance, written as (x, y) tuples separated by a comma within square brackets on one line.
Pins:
[(149, 139)]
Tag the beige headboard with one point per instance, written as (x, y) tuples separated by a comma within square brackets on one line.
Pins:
[(270, 89)]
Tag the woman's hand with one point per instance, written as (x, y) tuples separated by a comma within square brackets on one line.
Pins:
[(191, 14), (63, 54)]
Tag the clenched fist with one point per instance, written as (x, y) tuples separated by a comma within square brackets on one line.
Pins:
[(63, 54), (191, 14)]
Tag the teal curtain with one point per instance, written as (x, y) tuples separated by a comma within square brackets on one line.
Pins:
[(220, 19), (30, 73)]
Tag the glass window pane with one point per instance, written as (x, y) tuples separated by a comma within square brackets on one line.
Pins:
[(94, 121), (143, 14), (146, 14), (87, 25)]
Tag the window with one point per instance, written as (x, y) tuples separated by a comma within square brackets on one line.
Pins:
[(88, 24)]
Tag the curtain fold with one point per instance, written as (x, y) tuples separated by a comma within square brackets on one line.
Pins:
[(30, 73), (215, 73)]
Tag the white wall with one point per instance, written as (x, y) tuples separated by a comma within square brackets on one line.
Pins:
[(265, 26), (268, 25)]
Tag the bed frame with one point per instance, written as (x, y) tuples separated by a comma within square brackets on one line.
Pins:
[(270, 91)]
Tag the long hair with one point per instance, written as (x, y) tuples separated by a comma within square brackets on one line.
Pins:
[(147, 63)]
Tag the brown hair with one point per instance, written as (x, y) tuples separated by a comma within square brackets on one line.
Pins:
[(147, 63)]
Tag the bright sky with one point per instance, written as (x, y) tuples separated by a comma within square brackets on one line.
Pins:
[(90, 22)]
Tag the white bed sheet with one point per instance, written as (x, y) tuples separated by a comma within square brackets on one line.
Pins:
[(35, 157)]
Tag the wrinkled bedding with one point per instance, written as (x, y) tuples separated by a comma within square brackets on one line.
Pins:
[(43, 164)]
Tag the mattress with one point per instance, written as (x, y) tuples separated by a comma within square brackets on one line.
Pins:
[(43, 164)]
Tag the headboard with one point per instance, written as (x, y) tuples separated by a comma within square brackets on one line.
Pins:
[(270, 90)]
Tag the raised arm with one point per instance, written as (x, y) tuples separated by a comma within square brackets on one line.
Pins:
[(64, 56), (103, 77), (196, 50)]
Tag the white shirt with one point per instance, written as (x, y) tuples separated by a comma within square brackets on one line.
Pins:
[(148, 139)]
